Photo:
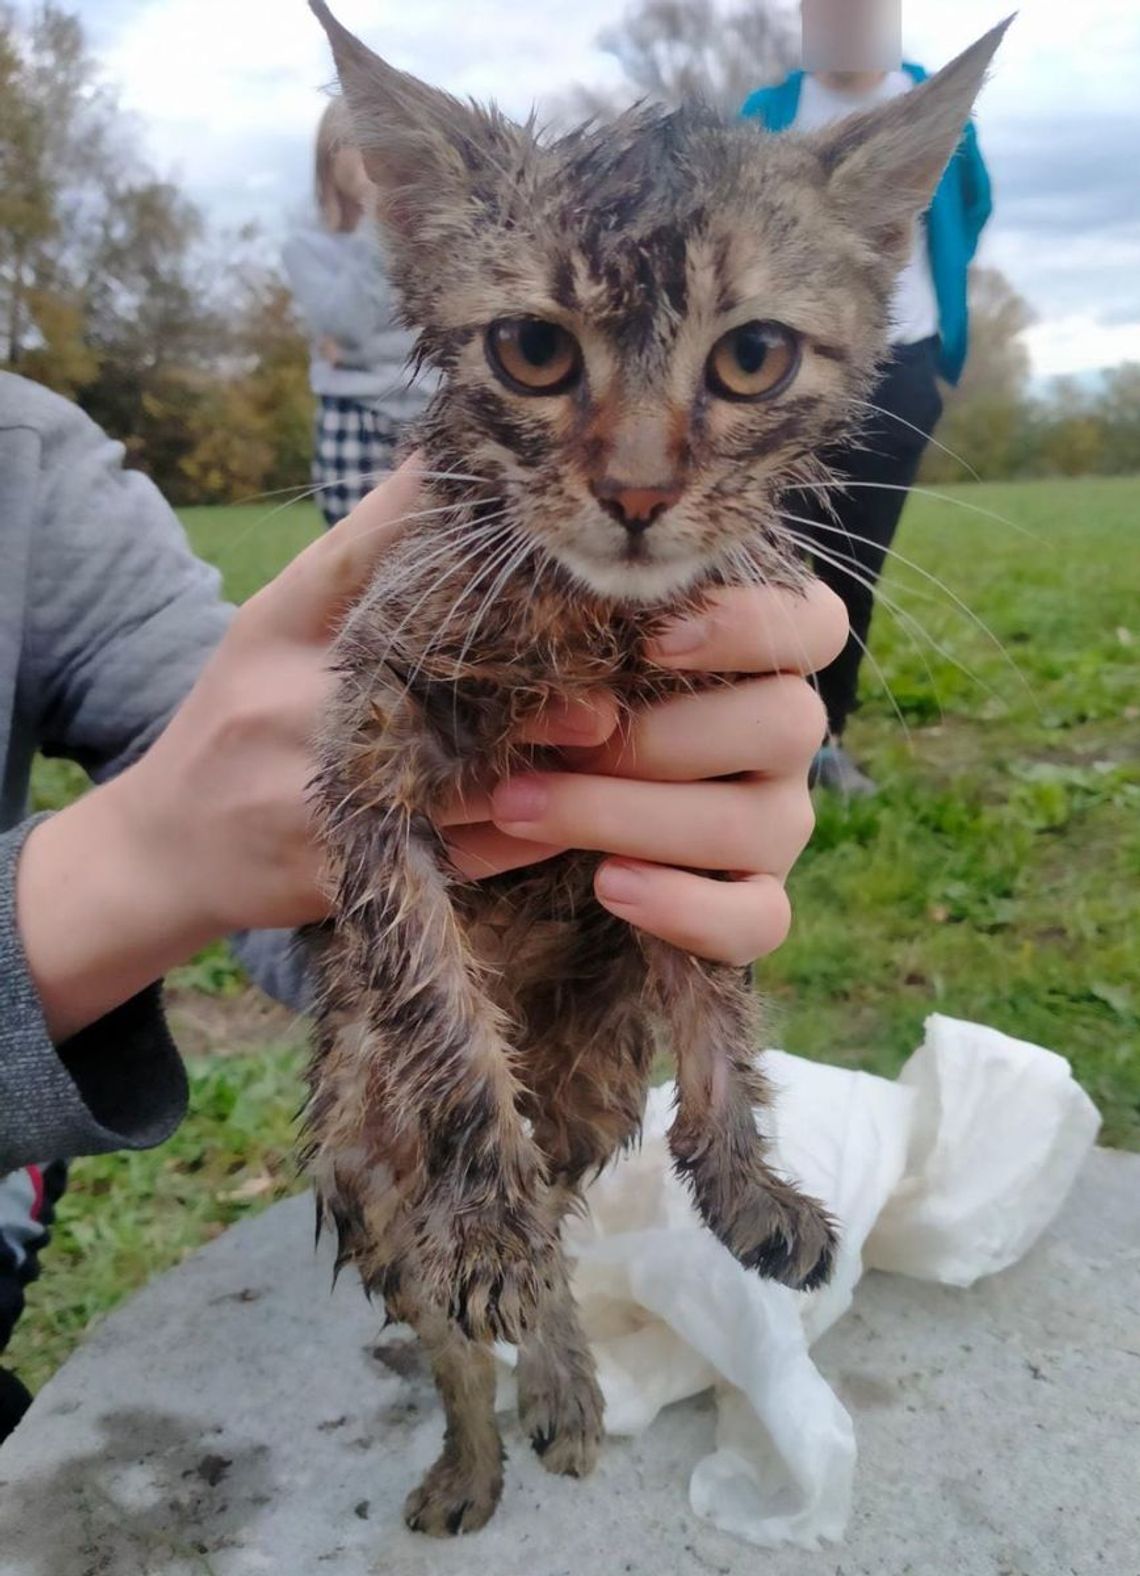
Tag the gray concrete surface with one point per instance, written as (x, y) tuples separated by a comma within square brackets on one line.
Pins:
[(233, 1419)]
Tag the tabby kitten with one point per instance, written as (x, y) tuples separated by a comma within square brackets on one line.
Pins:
[(645, 332)]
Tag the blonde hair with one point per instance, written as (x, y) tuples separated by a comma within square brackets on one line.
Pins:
[(334, 132)]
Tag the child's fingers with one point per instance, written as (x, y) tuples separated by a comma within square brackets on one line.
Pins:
[(482, 850), (581, 723), (730, 921), (758, 629), (748, 825), (771, 725)]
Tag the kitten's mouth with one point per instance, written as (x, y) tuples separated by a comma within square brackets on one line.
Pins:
[(640, 567), (633, 574)]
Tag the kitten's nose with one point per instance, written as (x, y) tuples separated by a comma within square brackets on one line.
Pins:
[(636, 508)]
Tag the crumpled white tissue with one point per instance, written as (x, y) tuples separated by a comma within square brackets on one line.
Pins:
[(949, 1173)]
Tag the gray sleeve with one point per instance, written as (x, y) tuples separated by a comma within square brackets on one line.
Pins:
[(120, 618), (117, 1085), (123, 617), (121, 614), (339, 291)]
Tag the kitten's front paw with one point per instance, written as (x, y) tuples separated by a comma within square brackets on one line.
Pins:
[(790, 1239), (453, 1499), (762, 1220)]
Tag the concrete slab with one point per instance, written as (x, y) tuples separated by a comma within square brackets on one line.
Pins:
[(234, 1419)]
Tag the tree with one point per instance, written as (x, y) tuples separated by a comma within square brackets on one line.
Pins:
[(96, 255), (99, 264), (57, 144), (1118, 411), (113, 293), (1070, 437), (252, 432), (153, 323), (674, 50)]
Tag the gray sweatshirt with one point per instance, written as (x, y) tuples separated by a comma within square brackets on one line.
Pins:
[(106, 618), (343, 294)]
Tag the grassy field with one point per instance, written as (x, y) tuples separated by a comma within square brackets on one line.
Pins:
[(996, 877)]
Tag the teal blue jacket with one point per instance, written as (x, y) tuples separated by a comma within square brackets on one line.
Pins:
[(954, 220)]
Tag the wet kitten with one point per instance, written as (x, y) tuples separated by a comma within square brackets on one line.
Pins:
[(645, 333)]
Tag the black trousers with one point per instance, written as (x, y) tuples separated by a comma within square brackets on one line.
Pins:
[(886, 458), (27, 1208)]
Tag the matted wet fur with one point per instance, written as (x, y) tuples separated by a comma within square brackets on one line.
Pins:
[(484, 1048)]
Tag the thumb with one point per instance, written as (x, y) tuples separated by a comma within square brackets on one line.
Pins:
[(312, 593)]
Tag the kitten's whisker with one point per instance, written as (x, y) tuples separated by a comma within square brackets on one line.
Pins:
[(444, 628), (928, 492), (300, 494), (894, 416), (263, 519), (754, 573), (914, 630), (513, 563), (458, 529), (506, 554), (226, 555), (298, 491), (472, 546), (486, 541), (376, 806), (876, 668), (964, 607), (457, 476)]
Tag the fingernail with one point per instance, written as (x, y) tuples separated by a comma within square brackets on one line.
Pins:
[(577, 719), (681, 638), (616, 883), (522, 799)]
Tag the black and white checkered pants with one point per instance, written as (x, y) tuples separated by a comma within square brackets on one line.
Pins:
[(353, 446)]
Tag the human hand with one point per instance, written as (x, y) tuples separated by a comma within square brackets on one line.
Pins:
[(220, 805), (329, 350), (210, 831), (715, 780)]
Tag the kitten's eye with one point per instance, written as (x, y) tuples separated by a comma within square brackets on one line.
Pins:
[(753, 361), (532, 356)]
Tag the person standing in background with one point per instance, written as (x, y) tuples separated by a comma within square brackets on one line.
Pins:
[(852, 56), (359, 369)]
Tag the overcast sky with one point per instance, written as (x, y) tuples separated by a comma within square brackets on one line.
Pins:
[(228, 92)]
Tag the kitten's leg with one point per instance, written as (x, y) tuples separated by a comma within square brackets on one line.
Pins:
[(415, 1136), (588, 1065), (763, 1220), (460, 1492), (560, 1404)]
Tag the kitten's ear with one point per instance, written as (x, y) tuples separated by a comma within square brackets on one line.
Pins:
[(418, 143), (885, 164)]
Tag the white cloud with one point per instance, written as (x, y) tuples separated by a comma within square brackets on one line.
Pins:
[(1078, 343), (229, 91), (259, 63)]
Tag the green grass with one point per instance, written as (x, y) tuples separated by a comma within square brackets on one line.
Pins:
[(994, 878), (250, 543), (126, 1217)]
